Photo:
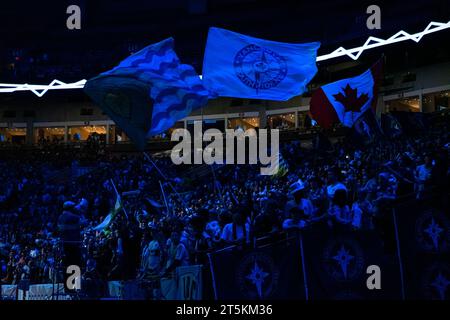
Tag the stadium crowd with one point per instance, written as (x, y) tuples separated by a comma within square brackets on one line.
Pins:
[(344, 183)]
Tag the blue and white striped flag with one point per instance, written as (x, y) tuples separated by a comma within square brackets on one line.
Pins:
[(148, 91), (110, 217)]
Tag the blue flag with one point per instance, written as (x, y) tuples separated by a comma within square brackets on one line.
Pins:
[(367, 128), (148, 91), (390, 125), (237, 65)]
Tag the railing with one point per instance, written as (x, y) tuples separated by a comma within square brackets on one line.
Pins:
[(186, 284)]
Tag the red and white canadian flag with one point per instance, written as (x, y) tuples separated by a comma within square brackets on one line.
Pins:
[(346, 100)]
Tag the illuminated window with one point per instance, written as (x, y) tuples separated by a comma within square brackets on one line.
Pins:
[(281, 121), (49, 134), (83, 133), (411, 104), (13, 135), (244, 123)]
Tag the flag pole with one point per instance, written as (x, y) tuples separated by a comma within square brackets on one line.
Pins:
[(165, 178), (399, 256), (164, 197), (305, 278), (216, 188), (213, 276), (118, 195)]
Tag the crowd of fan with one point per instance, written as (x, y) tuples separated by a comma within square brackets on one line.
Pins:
[(156, 232)]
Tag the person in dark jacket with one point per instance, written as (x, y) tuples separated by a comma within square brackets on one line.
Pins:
[(69, 228)]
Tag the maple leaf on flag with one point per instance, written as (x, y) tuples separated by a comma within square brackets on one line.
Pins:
[(351, 101)]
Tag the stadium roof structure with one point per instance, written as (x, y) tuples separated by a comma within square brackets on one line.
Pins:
[(111, 30)]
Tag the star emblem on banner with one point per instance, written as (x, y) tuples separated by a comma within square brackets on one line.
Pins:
[(434, 231), (441, 284), (259, 68), (257, 276), (343, 257)]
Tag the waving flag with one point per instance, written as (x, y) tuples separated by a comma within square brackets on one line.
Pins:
[(148, 91), (110, 217), (367, 129), (390, 125), (346, 100), (237, 65), (281, 167)]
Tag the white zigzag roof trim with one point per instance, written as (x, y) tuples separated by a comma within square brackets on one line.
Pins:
[(354, 53), (40, 90), (373, 42)]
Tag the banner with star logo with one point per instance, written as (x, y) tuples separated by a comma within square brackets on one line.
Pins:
[(336, 261), (424, 233), (346, 100), (269, 272)]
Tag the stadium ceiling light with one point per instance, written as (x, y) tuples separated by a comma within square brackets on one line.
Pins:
[(354, 53)]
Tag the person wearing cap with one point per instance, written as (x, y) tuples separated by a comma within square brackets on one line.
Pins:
[(297, 192)]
